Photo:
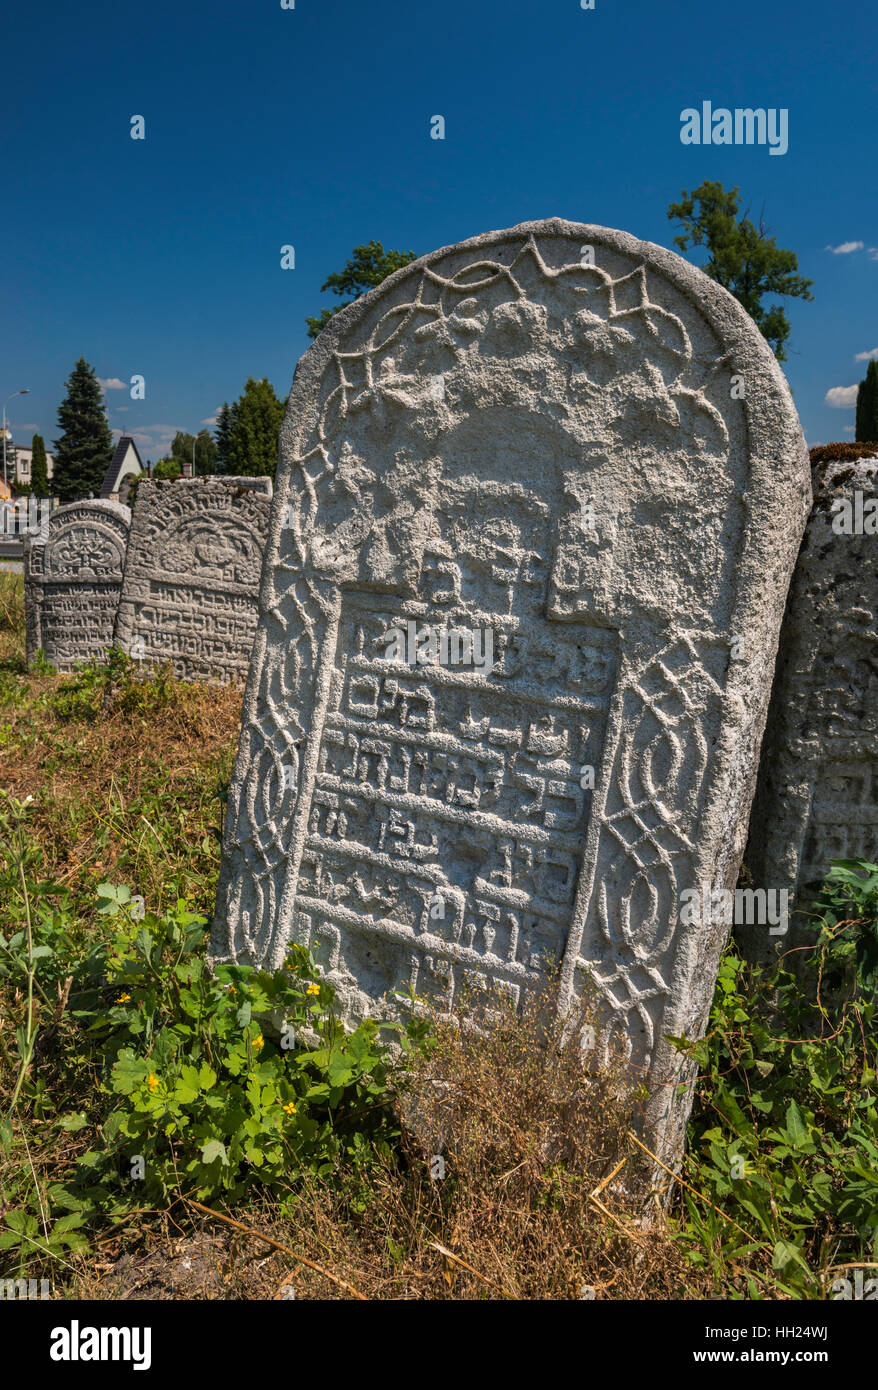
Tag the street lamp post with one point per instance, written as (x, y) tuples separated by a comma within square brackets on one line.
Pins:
[(24, 392)]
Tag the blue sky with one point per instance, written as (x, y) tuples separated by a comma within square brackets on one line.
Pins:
[(310, 127)]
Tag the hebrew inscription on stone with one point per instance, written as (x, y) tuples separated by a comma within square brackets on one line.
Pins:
[(191, 589), (817, 794), (539, 499), (73, 578)]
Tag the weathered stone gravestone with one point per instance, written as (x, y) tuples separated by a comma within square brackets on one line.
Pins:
[(572, 458), (73, 578), (817, 793), (191, 589)]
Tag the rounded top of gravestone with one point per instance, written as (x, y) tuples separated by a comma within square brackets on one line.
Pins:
[(558, 260), (90, 505)]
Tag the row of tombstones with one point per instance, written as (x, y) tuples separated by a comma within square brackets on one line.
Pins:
[(577, 446), (177, 585)]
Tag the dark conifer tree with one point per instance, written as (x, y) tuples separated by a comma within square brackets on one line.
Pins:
[(83, 453)]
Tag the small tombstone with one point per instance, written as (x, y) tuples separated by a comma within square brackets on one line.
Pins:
[(817, 794), (191, 587), (73, 570), (538, 503)]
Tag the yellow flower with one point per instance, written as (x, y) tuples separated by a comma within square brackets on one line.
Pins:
[(232, 989), (313, 989), (290, 1108), (152, 1081), (124, 998), (259, 1041)]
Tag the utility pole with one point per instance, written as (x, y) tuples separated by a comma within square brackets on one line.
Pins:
[(24, 392)]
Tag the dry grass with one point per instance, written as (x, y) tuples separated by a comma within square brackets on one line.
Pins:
[(127, 779), (541, 1195), (11, 619), (541, 1198)]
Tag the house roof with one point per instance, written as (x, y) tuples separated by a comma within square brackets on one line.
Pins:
[(111, 477)]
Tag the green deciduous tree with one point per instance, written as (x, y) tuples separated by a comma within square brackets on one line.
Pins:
[(867, 405), (167, 469), (366, 268), (39, 468), (744, 258), (205, 454), (201, 447), (254, 431), (181, 447), (83, 453)]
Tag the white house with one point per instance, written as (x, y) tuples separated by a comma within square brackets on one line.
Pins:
[(124, 465), (22, 472)]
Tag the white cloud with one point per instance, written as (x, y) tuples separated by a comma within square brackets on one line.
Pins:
[(873, 253), (845, 248), (113, 383), (848, 429), (156, 438), (867, 356), (211, 420), (842, 397)]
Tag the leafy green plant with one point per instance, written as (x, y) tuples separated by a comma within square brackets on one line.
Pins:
[(848, 909), (783, 1141), (216, 1079)]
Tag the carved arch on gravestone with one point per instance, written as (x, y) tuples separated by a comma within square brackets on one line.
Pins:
[(82, 544), (608, 386)]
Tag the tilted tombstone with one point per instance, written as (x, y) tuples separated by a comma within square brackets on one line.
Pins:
[(596, 471), (191, 588), (73, 568), (817, 792)]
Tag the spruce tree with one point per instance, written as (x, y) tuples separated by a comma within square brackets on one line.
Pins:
[(867, 406), (253, 437), (83, 453), (224, 421), (39, 468)]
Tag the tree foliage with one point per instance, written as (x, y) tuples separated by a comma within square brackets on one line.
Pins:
[(224, 421), (167, 469), (743, 258), (253, 436), (39, 468), (366, 268), (83, 453), (867, 405), (200, 448)]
